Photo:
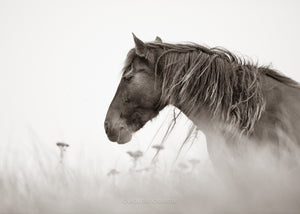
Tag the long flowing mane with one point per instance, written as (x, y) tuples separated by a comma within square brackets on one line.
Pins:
[(195, 76)]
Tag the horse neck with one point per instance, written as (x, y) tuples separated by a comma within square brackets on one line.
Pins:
[(200, 119), (172, 88), (211, 90)]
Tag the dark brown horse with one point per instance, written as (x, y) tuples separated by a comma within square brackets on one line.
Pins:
[(225, 96)]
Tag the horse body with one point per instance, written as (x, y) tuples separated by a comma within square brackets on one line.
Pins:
[(228, 99), (281, 115), (277, 127)]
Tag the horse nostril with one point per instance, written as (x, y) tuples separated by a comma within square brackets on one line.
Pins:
[(106, 126), (121, 127)]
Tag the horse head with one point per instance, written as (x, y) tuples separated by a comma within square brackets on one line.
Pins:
[(137, 99)]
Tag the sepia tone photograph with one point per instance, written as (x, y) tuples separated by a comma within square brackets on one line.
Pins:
[(149, 107)]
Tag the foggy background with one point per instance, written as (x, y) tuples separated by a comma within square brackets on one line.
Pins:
[(60, 64)]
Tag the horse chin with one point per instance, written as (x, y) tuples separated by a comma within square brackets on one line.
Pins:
[(124, 139), (121, 137)]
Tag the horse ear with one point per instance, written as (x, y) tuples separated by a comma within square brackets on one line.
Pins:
[(158, 40), (140, 47)]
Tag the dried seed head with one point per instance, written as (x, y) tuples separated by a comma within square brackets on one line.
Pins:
[(113, 172), (135, 155), (158, 147), (62, 144)]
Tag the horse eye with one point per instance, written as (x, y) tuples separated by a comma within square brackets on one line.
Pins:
[(127, 77)]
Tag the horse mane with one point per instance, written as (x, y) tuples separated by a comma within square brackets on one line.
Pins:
[(194, 76), (280, 77)]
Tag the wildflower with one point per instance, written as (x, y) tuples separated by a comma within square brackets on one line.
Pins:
[(158, 148), (113, 172), (135, 156), (62, 147)]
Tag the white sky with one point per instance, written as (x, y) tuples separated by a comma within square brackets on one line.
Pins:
[(60, 61)]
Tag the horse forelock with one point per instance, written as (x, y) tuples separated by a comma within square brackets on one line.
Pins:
[(128, 61)]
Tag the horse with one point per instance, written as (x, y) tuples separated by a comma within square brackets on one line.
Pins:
[(226, 96)]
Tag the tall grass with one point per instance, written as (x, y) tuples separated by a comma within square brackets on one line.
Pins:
[(35, 179), (40, 183)]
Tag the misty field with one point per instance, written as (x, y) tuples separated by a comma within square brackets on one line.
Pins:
[(38, 180)]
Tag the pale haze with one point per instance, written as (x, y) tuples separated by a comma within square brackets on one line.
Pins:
[(60, 63)]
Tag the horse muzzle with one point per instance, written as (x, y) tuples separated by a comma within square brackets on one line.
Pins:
[(118, 132)]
